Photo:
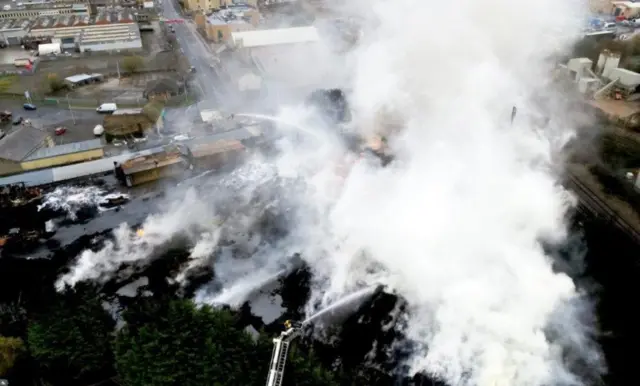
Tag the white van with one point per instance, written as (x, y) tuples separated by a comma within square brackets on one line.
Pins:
[(107, 108)]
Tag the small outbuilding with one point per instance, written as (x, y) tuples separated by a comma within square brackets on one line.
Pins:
[(82, 79), (134, 122)]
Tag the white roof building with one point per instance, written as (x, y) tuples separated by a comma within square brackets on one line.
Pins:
[(271, 37)]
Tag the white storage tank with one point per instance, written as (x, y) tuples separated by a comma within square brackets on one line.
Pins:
[(98, 130), (50, 48)]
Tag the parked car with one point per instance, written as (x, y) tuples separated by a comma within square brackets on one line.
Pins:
[(18, 120), (60, 130), (29, 106)]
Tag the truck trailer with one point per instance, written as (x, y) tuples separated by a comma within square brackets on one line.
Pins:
[(49, 48)]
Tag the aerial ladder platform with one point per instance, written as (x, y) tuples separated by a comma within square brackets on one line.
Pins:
[(280, 352)]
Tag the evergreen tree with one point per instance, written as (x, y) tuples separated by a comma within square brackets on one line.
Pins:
[(72, 341)]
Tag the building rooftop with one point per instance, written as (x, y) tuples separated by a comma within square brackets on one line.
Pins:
[(127, 111), (113, 17), (111, 32), (82, 77), (14, 24), (628, 4), (21, 142), (278, 36), (204, 149), (69, 20), (293, 65), (61, 21), (231, 135), (236, 14), (168, 155), (69, 148)]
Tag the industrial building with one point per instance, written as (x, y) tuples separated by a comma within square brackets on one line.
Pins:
[(627, 9), (211, 5), (109, 31), (211, 153), (67, 173), (33, 9), (134, 122), (221, 24), (290, 58), (163, 162), (12, 31), (18, 145), (64, 155), (275, 37)]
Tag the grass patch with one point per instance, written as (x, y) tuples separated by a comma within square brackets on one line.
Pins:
[(6, 81)]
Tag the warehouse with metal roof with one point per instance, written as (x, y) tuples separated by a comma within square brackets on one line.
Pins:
[(109, 31), (64, 154), (19, 144)]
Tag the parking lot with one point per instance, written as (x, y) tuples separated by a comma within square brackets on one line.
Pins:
[(49, 118)]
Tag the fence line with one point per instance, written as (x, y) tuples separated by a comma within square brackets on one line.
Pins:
[(64, 102)]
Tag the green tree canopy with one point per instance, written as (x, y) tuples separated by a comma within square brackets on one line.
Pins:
[(55, 82), (11, 349), (73, 340), (132, 64), (176, 342), (304, 369)]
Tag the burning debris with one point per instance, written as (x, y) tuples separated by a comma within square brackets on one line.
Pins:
[(16, 195)]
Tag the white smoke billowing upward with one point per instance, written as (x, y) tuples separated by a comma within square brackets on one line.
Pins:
[(457, 221), (454, 225), (138, 246)]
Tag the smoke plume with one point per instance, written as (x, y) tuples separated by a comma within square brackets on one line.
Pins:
[(454, 225)]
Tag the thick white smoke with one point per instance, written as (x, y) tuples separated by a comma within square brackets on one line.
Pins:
[(454, 225)]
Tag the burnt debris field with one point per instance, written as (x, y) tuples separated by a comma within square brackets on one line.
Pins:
[(363, 348)]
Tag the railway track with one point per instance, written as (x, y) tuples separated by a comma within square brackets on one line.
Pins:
[(591, 204)]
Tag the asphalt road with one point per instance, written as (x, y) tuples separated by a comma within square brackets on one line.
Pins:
[(200, 57), (50, 117)]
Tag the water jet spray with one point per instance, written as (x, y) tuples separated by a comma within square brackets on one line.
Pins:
[(293, 329)]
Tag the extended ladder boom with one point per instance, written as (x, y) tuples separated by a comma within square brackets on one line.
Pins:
[(279, 355)]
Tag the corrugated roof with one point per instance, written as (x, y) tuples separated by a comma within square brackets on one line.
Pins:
[(269, 37), (211, 148), (237, 135), (36, 178), (69, 148), (64, 173), (20, 143), (78, 78)]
